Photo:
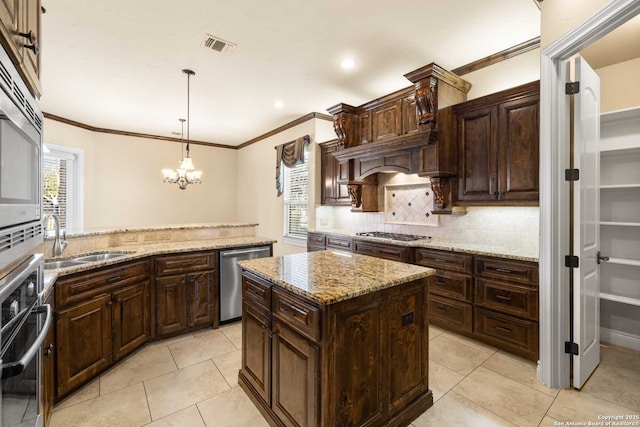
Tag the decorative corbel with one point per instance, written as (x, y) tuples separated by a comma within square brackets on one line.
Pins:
[(355, 192), (427, 102), (441, 194), (344, 124)]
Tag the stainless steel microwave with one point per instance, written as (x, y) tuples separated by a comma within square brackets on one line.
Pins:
[(20, 166)]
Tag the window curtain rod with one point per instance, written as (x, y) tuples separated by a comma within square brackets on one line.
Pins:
[(290, 154)]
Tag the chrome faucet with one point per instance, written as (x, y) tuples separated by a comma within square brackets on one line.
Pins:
[(58, 245)]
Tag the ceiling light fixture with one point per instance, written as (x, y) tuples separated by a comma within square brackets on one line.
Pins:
[(348, 64), (186, 173), (278, 104)]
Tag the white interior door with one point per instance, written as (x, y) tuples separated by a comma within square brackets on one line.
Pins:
[(586, 224)]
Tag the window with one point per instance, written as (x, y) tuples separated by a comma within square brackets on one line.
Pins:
[(62, 187), (296, 197)]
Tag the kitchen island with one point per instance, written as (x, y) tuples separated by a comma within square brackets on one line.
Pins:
[(335, 339)]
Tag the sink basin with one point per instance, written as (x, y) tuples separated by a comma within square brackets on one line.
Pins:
[(52, 265), (100, 256)]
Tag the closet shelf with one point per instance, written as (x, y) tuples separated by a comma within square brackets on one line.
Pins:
[(620, 224), (618, 186), (618, 298)]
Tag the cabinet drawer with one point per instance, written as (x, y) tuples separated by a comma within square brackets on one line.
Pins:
[(510, 271), (296, 313), (444, 260), (315, 239), (451, 314), (453, 285), (339, 242), (88, 285), (516, 335), (256, 291), (513, 299), (390, 252), (185, 263)]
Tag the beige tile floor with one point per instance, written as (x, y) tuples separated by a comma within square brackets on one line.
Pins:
[(191, 380)]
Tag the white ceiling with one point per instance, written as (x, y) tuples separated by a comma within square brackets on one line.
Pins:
[(117, 64)]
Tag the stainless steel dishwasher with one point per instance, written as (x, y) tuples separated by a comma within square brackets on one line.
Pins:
[(231, 279)]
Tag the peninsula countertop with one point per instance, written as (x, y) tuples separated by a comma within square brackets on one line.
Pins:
[(327, 277)]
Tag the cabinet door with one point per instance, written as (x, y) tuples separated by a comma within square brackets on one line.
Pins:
[(256, 350), (130, 318), (83, 342), (387, 120), (48, 370), (408, 345), (30, 22), (328, 175), (200, 297), (295, 367), (409, 116), (519, 149), (477, 151), (9, 21), (171, 304)]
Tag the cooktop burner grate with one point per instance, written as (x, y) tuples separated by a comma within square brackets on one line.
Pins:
[(392, 236)]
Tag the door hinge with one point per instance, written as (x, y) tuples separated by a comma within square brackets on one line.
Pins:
[(571, 348), (571, 261), (571, 88), (572, 174)]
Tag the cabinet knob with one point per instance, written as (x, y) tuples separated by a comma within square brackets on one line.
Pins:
[(48, 350), (110, 303)]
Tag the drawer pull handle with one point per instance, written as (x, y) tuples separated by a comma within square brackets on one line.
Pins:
[(503, 297), (114, 278), (503, 270), (255, 291), (503, 329), (439, 283), (442, 309), (291, 310), (439, 259)]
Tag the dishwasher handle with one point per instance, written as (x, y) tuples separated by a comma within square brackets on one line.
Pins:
[(227, 254)]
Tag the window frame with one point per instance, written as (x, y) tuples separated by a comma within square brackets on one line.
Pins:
[(75, 185), (288, 238)]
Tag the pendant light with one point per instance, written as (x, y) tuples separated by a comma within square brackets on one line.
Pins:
[(185, 174)]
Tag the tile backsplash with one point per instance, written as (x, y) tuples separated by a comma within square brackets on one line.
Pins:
[(501, 226)]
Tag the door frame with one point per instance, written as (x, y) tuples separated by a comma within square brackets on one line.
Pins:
[(553, 367)]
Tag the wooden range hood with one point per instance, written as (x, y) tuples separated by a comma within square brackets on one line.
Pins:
[(406, 131)]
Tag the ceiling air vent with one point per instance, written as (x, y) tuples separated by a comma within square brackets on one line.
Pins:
[(217, 44)]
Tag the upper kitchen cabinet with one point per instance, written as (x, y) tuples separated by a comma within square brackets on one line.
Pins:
[(498, 147), (20, 36), (332, 173)]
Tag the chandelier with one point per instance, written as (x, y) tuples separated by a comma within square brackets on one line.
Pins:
[(185, 174)]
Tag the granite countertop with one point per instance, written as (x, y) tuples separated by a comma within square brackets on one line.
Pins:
[(522, 253), (327, 277), (194, 226), (134, 252)]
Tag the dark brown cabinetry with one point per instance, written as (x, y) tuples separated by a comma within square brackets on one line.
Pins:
[(498, 146), (333, 177), (506, 307), (383, 250), (186, 292), (101, 316), (49, 368), (20, 36), (294, 353), (451, 294), (321, 241)]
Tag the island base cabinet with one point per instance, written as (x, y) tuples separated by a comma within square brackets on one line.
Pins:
[(83, 342), (359, 362)]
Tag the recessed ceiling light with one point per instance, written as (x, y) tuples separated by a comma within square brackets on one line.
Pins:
[(348, 63), (278, 104)]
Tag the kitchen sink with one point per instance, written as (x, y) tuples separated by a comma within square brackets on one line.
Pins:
[(79, 260), (52, 265), (100, 256)]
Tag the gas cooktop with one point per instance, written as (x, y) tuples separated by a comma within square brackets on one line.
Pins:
[(392, 236)]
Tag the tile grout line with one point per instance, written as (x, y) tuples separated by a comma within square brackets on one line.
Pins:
[(146, 397), (526, 385)]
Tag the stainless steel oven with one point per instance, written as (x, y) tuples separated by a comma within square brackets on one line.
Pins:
[(25, 323), (20, 166)]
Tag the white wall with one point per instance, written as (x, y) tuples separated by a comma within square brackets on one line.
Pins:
[(257, 199), (618, 87), (123, 180)]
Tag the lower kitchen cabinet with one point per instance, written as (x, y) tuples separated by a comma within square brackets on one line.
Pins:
[(383, 250), (358, 362), (101, 316), (186, 292), (84, 342)]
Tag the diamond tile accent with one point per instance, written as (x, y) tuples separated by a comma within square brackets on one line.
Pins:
[(409, 204)]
